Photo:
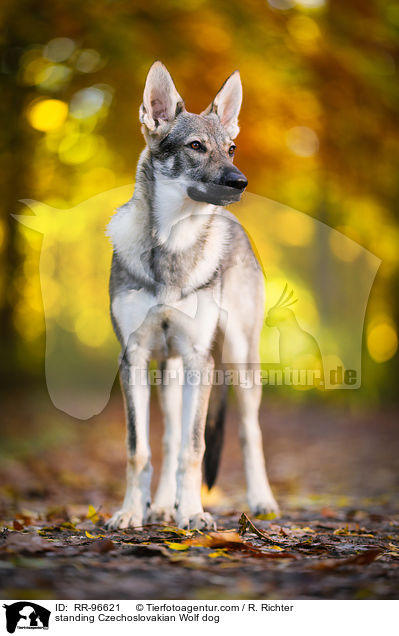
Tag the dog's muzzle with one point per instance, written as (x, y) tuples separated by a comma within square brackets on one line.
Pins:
[(233, 178), (229, 190)]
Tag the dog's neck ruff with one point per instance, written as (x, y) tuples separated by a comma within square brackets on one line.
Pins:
[(192, 236), (178, 221)]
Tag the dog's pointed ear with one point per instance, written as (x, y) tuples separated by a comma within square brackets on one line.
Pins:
[(227, 104), (161, 101)]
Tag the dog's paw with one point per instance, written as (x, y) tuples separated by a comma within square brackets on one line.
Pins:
[(266, 508), (162, 513), (200, 521), (123, 519)]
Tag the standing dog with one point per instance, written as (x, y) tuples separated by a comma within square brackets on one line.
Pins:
[(186, 290)]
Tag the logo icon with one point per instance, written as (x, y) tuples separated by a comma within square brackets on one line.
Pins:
[(26, 615)]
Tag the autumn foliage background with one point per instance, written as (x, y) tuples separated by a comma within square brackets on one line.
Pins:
[(319, 134), (319, 119)]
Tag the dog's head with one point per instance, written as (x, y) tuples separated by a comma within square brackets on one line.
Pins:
[(197, 150)]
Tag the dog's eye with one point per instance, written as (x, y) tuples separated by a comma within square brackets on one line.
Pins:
[(232, 150), (196, 145)]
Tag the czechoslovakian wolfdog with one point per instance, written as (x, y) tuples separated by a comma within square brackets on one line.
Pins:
[(186, 290)]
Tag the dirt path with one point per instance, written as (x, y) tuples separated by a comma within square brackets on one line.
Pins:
[(335, 474)]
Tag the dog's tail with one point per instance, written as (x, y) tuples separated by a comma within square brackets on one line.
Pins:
[(214, 431)]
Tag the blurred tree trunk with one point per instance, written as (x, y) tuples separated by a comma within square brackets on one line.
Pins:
[(15, 158)]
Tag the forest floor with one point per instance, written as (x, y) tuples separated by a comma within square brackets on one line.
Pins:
[(334, 472)]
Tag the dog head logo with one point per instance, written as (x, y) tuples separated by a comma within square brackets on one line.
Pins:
[(26, 615)]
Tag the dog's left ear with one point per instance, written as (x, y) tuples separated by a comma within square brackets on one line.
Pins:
[(161, 101), (227, 104)]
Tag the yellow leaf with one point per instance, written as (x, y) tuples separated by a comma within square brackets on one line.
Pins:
[(275, 547), (94, 536), (341, 531), (176, 546), (92, 514), (219, 553), (267, 517), (180, 531), (68, 525)]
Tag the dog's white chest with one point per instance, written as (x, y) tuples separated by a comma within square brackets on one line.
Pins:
[(165, 325)]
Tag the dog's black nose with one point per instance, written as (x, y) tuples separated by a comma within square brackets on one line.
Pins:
[(235, 179)]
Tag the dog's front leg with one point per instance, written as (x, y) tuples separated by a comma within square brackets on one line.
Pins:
[(196, 390), (170, 393), (136, 392)]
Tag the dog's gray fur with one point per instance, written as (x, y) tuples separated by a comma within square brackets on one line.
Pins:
[(187, 290)]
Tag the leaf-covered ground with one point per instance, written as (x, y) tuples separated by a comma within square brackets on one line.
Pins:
[(334, 472)]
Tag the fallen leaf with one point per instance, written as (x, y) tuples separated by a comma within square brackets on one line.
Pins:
[(146, 551), (221, 552), (19, 543), (17, 525), (67, 525), (92, 514), (227, 539), (267, 517), (178, 531), (94, 536), (230, 540), (343, 531), (102, 545), (176, 546), (244, 523), (359, 559)]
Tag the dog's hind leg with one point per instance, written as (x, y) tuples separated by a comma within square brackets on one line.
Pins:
[(259, 493), (170, 395), (242, 351), (136, 392)]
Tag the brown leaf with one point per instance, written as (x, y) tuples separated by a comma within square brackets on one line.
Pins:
[(230, 540), (19, 543), (146, 551), (17, 525), (358, 559), (102, 545), (24, 519), (244, 523)]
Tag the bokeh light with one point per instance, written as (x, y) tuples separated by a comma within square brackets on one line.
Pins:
[(302, 141), (382, 341), (47, 114)]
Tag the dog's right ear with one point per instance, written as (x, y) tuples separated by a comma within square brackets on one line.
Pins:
[(227, 104), (161, 101)]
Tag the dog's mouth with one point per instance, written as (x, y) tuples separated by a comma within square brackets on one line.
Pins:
[(214, 193)]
